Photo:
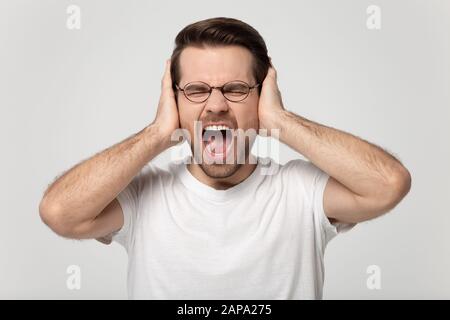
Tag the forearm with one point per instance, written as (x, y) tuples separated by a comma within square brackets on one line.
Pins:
[(85, 190), (357, 164)]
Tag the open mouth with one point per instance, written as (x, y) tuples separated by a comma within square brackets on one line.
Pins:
[(217, 142)]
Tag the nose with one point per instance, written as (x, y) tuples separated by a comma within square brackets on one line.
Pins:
[(216, 102)]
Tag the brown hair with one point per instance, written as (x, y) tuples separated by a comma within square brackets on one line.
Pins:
[(222, 32)]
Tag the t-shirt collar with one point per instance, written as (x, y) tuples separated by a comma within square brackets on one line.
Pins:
[(206, 191)]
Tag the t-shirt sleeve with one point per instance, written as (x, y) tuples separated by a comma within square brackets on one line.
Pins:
[(129, 200), (329, 230), (314, 181)]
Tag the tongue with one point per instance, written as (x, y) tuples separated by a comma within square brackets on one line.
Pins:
[(218, 145)]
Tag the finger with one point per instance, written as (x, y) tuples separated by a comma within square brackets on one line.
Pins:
[(271, 63), (271, 75), (272, 72), (166, 82)]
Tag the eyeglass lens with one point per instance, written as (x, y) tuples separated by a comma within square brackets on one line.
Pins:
[(233, 91)]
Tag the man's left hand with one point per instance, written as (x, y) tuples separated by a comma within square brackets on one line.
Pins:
[(270, 106)]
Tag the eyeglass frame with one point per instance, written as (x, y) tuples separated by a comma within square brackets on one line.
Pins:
[(220, 88)]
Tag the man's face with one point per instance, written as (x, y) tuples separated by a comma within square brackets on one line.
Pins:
[(216, 66)]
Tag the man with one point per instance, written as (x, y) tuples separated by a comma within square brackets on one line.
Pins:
[(218, 227)]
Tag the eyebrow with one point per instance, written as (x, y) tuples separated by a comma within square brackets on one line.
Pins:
[(246, 81)]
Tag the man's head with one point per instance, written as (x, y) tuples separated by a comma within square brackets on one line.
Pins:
[(216, 52)]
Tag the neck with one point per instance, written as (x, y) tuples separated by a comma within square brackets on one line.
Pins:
[(224, 183)]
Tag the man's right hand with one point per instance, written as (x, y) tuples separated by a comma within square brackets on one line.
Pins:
[(167, 119), (82, 203)]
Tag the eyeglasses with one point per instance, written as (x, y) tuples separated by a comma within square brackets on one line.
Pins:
[(233, 91)]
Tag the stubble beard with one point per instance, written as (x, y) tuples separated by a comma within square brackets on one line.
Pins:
[(225, 170)]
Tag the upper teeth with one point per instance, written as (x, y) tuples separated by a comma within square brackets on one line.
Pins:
[(220, 127)]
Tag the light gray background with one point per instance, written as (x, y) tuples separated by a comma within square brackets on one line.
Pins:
[(65, 95)]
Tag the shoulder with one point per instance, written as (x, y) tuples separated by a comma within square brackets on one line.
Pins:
[(303, 175), (293, 169), (149, 174), (300, 167)]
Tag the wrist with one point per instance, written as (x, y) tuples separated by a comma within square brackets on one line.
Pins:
[(155, 137), (277, 120)]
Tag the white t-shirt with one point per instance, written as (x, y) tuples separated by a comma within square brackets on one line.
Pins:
[(261, 239)]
